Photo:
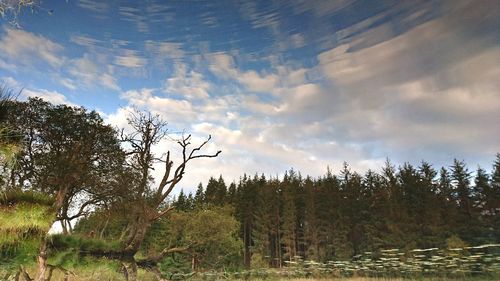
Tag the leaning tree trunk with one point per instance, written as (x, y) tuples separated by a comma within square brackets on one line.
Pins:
[(42, 254), (136, 236)]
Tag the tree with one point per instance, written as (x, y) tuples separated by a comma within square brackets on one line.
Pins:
[(68, 154), (211, 232), (460, 176), (199, 196), (290, 216), (9, 140), (148, 202), (492, 204), (181, 203)]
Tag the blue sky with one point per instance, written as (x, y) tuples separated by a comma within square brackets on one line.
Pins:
[(278, 84)]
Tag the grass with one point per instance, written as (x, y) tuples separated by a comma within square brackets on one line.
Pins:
[(11, 197), (25, 217)]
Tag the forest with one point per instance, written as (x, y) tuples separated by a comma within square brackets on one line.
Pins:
[(63, 165)]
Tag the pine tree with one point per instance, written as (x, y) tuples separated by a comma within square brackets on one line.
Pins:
[(181, 202), (211, 191), (289, 231), (481, 186), (231, 194), (221, 192), (461, 184), (199, 196), (493, 201), (311, 227)]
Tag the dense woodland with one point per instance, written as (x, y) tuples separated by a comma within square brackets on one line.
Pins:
[(341, 215), (95, 181)]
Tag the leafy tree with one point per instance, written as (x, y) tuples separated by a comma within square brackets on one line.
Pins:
[(211, 233), (68, 154)]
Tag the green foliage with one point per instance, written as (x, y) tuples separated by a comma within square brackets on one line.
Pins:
[(455, 242), (336, 217), (212, 234)]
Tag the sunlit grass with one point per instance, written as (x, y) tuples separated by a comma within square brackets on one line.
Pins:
[(23, 217)]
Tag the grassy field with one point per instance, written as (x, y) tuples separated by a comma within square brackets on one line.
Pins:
[(105, 272)]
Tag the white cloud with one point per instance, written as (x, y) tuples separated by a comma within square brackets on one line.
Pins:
[(223, 64), (409, 96), (7, 66), (19, 46), (190, 85), (85, 41), (10, 82), (319, 7), (416, 95), (50, 96), (28, 92), (254, 104), (130, 59), (97, 7), (89, 73), (68, 83), (256, 82), (164, 50), (178, 112)]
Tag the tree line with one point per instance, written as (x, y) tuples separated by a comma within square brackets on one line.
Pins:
[(338, 216)]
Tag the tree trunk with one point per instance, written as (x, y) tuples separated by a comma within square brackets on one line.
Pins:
[(135, 241), (136, 235), (42, 254), (42, 261), (130, 269), (246, 241), (64, 227), (101, 234)]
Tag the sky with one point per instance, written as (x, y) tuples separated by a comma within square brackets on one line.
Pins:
[(299, 84)]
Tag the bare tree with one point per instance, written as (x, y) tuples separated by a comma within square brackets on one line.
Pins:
[(148, 202)]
